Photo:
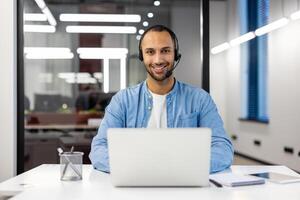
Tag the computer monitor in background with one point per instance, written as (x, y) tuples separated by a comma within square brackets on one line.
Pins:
[(93, 100), (47, 102)]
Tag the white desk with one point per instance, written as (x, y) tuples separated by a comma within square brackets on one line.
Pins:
[(44, 183)]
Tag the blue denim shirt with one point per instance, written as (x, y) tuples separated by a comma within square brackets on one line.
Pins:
[(187, 106)]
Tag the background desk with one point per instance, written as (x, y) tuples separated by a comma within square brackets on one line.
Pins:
[(44, 183)]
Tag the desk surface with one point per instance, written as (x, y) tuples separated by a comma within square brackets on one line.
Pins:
[(44, 183)]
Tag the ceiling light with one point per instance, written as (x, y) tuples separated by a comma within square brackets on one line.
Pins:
[(50, 17), (35, 17), (243, 38), (41, 4), (295, 15), (88, 80), (272, 26), (138, 37), (145, 24), (49, 55), (46, 50), (141, 31), (39, 28), (99, 18), (98, 75), (103, 50), (102, 53), (150, 15), (101, 29), (220, 48), (69, 75), (156, 3)]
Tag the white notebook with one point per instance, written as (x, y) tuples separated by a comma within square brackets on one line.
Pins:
[(233, 180)]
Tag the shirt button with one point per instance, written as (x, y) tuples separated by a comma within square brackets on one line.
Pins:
[(150, 96), (149, 107)]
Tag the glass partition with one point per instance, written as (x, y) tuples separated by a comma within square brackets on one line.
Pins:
[(77, 55)]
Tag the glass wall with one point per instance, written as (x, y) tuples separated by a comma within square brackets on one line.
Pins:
[(77, 55)]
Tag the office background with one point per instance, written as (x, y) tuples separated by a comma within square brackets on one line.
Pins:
[(56, 112), (275, 142)]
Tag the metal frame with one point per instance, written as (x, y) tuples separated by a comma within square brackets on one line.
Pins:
[(20, 88), (205, 45)]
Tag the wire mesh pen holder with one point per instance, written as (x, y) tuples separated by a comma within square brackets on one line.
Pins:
[(71, 166)]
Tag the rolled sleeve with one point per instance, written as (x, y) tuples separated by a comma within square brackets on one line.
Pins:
[(112, 119)]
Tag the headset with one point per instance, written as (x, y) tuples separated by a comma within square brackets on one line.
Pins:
[(161, 28)]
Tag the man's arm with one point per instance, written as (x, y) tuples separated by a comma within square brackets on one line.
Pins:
[(221, 146), (113, 118)]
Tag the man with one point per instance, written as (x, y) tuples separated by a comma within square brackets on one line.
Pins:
[(161, 101)]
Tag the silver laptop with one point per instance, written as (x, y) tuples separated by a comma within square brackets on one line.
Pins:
[(159, 157)]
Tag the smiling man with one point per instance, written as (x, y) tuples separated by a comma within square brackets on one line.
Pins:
[(161, 101)]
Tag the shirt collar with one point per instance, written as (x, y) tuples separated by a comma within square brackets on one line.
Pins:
[(170, 94)]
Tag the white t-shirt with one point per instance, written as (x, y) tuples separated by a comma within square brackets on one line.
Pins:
[(158, 117)]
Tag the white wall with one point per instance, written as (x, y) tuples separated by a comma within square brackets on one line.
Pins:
[(283, 91), (8, 89), (218, 25)]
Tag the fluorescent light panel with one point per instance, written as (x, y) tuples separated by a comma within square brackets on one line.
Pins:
[(39, 28), (272, 26), (70, 75), (98, 75), (50, 17), (220, 48), (50, 55), (88, 80), (46, 50), (41, 4), (295, 15), (101, 29), (99, 18), (102, 53), (38, 17), (100, 56), (243, 38), (103, 50)]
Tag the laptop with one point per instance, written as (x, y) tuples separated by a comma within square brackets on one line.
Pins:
[(159, 157)]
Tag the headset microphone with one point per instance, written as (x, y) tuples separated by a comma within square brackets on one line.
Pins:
[(170, 72)]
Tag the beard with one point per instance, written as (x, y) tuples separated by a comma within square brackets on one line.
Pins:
[(165, 76)]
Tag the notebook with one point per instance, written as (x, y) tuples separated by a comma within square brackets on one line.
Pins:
[(234, 180)]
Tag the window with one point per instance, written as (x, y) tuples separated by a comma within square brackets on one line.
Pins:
[(254, 61)]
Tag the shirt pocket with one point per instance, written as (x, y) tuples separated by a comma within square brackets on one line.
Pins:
[(188, 120)]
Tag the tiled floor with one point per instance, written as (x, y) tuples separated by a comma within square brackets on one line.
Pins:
[(240, 160)]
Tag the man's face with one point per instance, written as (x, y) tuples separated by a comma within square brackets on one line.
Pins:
[(158, 54)]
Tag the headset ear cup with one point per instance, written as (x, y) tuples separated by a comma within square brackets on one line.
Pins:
[(177, 55)]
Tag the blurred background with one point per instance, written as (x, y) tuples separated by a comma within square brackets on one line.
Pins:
[(79, 53)]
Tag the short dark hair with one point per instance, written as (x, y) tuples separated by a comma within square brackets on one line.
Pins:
[(160, 28)]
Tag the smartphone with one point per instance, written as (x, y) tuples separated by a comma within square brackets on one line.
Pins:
[(277, 177)]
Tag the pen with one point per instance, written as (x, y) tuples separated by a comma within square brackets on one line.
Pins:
[(215, 183), (66, 166)]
